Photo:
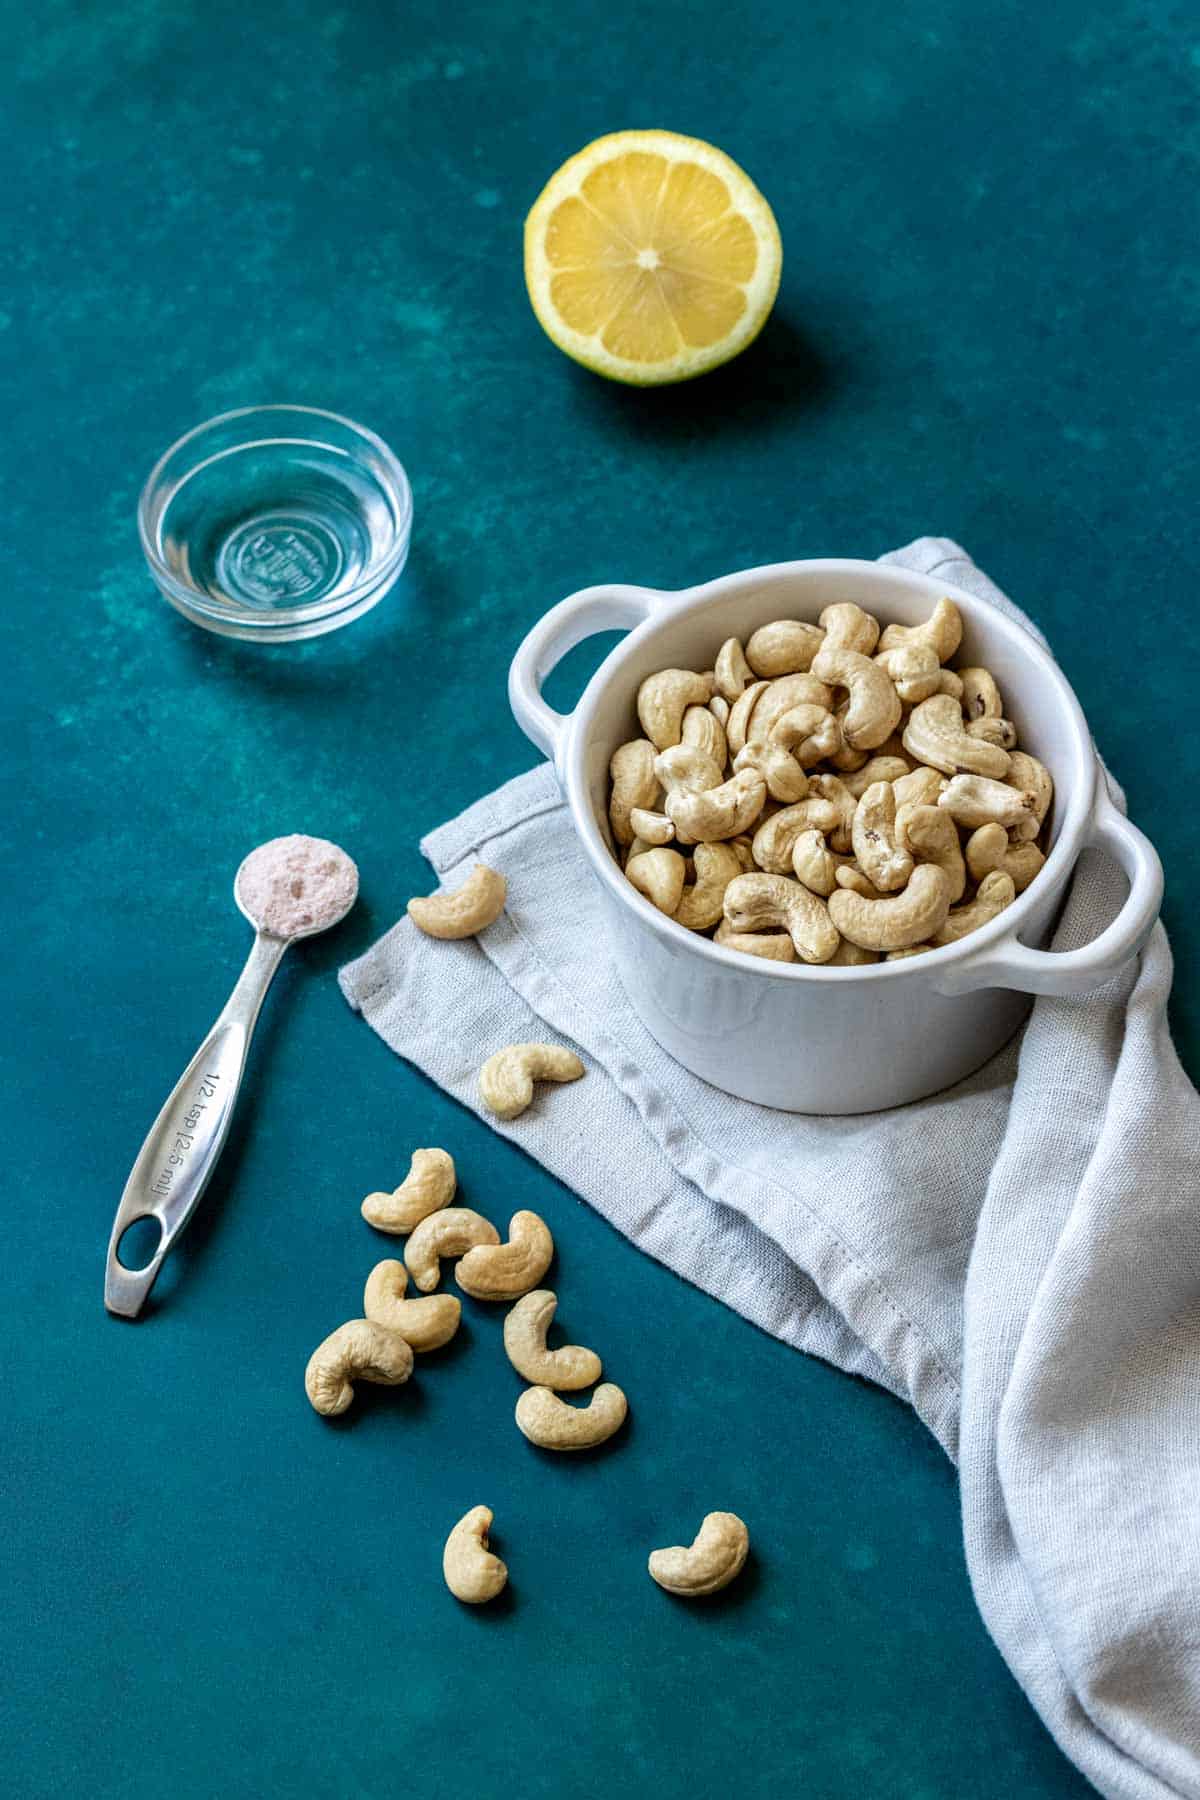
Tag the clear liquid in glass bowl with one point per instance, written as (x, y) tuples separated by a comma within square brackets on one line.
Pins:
[(276, 522)]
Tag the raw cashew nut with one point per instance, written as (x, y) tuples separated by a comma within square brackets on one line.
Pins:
[(848, 955), (718, 706), (814, 863), (920, 787), (994, 893), (935, 734), (506, 1271), (990, 848), (915, 670), (702, 730), (660, 875), (785, 779), (357, 1351), (553, 1425), (710, 1562), (737, 725), (1033, 781), (758, 902), (876, 768), (775, 840), (974, 800), (833, 790), (943, 629), (780, 697), (719, 812), (566, 1369), (932, 836), (429, 1185), (883, 861), (784, 647), (423, 1324), (652, 828), (796, 740), (634, 783), (686, 769), (506, 1079), (473, 1574), (732, 674), (851, 877), (445, 1234), (847, 761), (993, 731), (899, 921), (874, 709), (702, 903), (772, 946), (849, 627), (662, 700), (980, 696), (465, 911)]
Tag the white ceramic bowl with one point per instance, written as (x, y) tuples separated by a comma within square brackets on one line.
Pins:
[(805, 1038)]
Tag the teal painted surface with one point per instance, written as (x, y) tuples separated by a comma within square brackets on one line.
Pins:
[(986, 328)]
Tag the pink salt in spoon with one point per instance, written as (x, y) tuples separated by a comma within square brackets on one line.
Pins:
[(290, 888)]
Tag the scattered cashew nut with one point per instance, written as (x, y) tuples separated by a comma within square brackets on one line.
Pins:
[(506, 1079), (451, 1232), (423, 1324), (473, 1574), (566, 1369), (715, 1556), (428, 1186), (464, 911), (357, 1351), (506, 1271), (551, 1424)]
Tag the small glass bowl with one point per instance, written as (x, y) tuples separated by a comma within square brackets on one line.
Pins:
[(275, 522)]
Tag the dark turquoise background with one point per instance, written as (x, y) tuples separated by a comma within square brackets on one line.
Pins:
[(986, 328)]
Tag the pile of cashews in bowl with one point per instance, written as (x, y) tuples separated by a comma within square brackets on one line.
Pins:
[(381, 1346), (830, 793)]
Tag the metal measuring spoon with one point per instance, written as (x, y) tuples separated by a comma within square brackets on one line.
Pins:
[(290, 888)]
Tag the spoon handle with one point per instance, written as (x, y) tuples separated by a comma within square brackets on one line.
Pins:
[(181, 1151)]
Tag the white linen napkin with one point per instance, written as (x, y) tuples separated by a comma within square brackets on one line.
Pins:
[(1018, 1257)]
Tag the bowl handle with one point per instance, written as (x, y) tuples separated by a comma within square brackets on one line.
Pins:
[(1009, 964), (577, 617)]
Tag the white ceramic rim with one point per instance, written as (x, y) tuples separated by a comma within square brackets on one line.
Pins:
[(1076, 811), (220, 615)]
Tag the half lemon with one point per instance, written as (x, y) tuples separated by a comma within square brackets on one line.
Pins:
[(651, 257)]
